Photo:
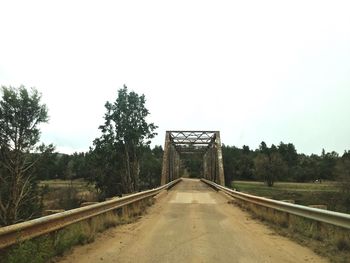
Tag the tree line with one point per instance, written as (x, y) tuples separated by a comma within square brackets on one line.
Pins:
[(283, 163), (100, 168), (267, 164)]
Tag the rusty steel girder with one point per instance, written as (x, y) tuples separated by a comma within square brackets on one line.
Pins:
[(180, 143)]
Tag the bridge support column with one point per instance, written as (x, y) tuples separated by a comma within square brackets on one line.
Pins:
[(165, 167), (213, 168), (205, 166), (221, 176), (177, 165), (171, 162)]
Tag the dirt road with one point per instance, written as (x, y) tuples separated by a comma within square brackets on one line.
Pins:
[(192, 223)]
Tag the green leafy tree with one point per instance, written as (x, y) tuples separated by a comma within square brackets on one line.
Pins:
[(230, 156), (105, 165), (194, 164), (306, 170), (245, 167), (79, 168), (21, 113), (263, 148), (46, 168), (126, 131), (270, 167), (62, 162), (288, 153), (342, 171), (327, 165), (150, 167), (158, 152)]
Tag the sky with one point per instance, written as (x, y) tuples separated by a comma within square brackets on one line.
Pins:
[(254, 70)]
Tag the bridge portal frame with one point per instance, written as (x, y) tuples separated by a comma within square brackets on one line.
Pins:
[(179, 143)]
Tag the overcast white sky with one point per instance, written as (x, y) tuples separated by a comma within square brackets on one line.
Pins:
[(255, 70)]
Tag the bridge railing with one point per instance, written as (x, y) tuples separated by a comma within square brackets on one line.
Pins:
[(13, 234), (319, 215)]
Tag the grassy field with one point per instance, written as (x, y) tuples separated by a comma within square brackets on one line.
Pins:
[(325, 193), (326, 240), (66, 194), (58, 183)]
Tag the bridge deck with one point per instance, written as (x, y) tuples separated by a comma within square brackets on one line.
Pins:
[(192, 223)]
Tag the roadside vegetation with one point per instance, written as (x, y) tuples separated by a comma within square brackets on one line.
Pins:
[(21, 113), (119, 162), (286, 174), (45, 248), (280, 172), (326, 193), (327, 240), (58, 194), (34, 177)]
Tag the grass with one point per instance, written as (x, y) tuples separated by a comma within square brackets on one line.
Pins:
[(326, 193), (327, 240), (80, 185), (299, 187), (66, 194)]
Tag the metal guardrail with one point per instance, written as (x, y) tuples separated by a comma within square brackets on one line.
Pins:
[(13, 234), (329, 217)]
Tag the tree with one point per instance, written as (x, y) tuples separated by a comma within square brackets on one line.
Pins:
[(342, 171), (21, 113), (194, 165), (246, 149), (263, 148), (245, 167), (327, 165), (306, 170), (46, 168), (105, 168), (126, 131), (270, 167), (230, 155), (288, 153), (150, 167)]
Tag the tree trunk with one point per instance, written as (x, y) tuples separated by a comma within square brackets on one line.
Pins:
[(136, 171)]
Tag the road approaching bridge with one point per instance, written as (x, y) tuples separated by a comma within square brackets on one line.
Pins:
[(192, 223)]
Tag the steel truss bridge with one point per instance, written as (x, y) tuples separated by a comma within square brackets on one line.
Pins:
[(180, 143)]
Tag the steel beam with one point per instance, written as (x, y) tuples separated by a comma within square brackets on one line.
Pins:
[(221, 176), (165, 166)]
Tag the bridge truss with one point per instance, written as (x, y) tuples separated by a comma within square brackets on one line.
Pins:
[(180, 143)]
